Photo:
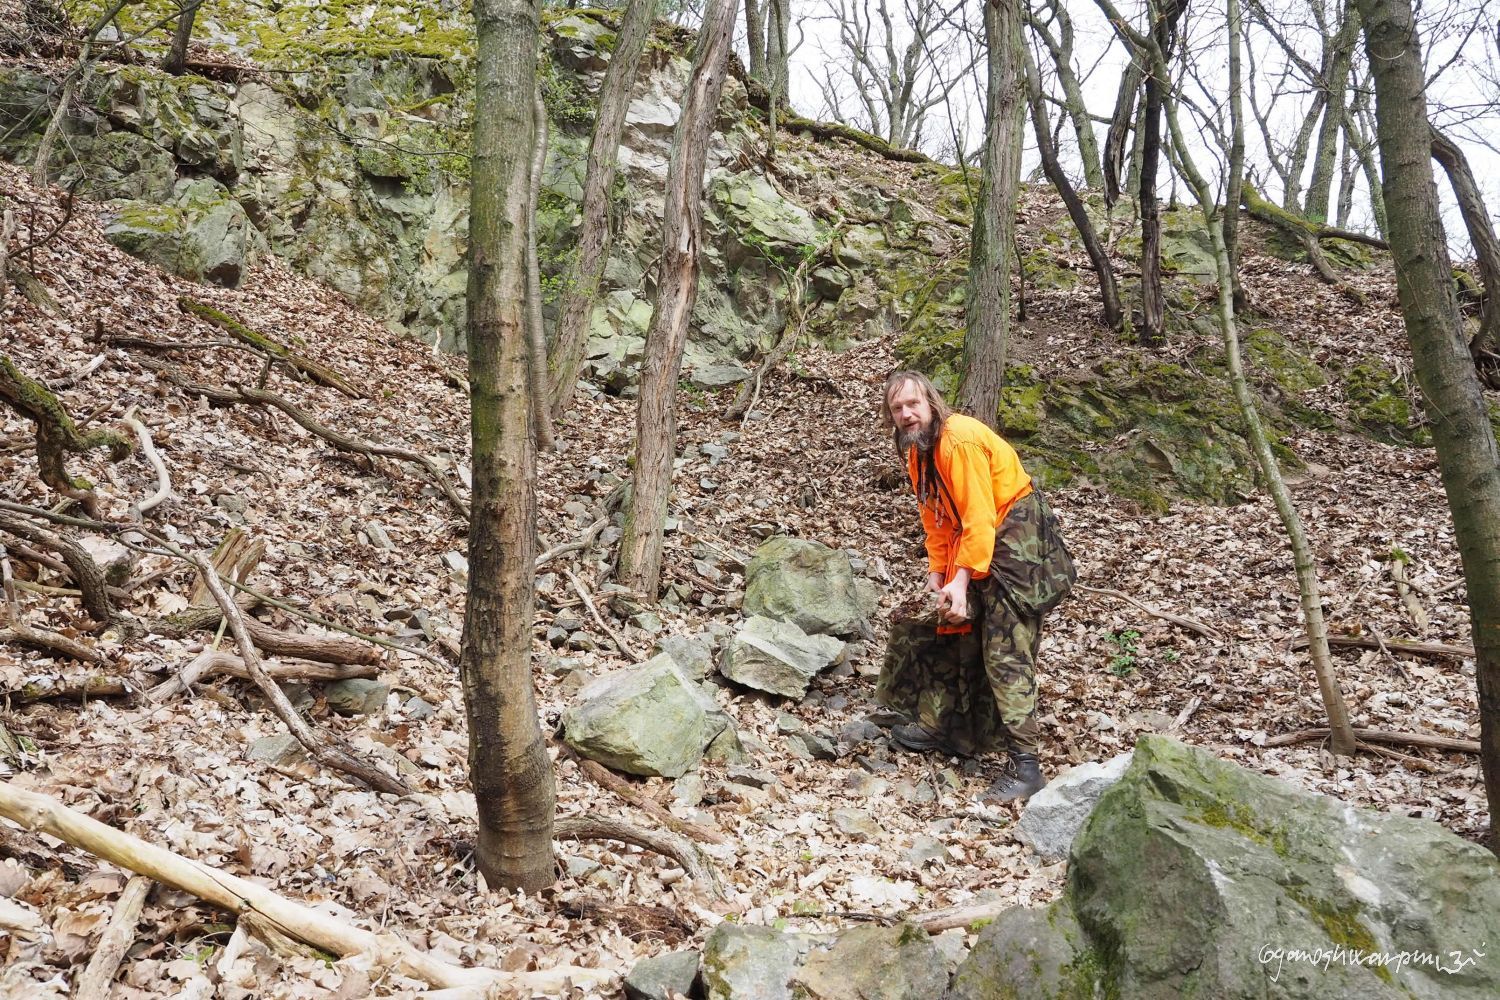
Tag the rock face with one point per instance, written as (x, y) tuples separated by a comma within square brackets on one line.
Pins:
[(805, 583), (777, 657), (1054, 815), (650, 720), (1194, 877)]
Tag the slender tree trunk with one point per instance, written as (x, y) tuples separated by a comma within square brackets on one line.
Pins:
[(677, 289), (1485, 347), (176, 60), (1461, 428), (1115, 147), (76, 79), (1153, 300), (536, 333), (1365, 148), (987, 330), (1061, 50), (1236, 178), (1109, 293), (1348, 168), (508, 764), (581, 286), (755, 38), (1336, 92), (778, 70)]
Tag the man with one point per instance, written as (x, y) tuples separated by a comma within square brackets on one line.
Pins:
[(966, 675)]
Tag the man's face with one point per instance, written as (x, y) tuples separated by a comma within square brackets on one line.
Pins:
[(910, 412)]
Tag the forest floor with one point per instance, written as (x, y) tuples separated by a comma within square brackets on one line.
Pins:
[(813, 464)]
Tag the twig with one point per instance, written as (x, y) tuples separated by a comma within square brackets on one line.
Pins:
[(1192, 626), (684, 852), (588, 602), (118, 936), (148, 449), (211, 662), (1399, 645), (1386, 651), (1188, 711), (271, 348), (8, 587), (946, 919), (581, 542), (612, 781), (1424, 740), (68, 381), (1403, 590), (328, 753), (66, 688), (43, 814)]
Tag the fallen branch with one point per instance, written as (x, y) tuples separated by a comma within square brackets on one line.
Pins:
[(959, 916), (117, 938), (588, 602), (612, 781), (148, 449), (578, 544), (84, 570), (330, 753), (1408, 599), (1423, 740), (326, 648), (1192, 626), (1398, 645), (679, 849), (41, 638), (43, 814), (213, 662), (269, 346)]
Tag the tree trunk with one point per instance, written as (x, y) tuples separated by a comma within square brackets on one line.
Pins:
[(1153, 300), (987, 333), (1109, 293), (1115, 147), (1336, 91), (778, 71), (755, 38), (176, 59), (1061, 50), (1236, 177), (1365, 148), (676, 291), (536, 333), (581, 286), (1460, 423), (1485, 347), (508, 764)]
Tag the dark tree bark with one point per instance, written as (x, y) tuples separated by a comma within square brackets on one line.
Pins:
[(1109, 293), (1236, 179), (755, 39), (1060, 47), (676, 291), (508, 764), (581, 286), (987, 333), (1461, 428), (1153, 300), (1485, 347), (1116, 147), (176, 59)]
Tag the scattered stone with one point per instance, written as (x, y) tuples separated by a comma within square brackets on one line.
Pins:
[(574, 681), (688, 790), (919, 792), (356, 696), (1151, 720), (378, 536), (754, 777), (1054, 815), (807, 584), (282, 751), (856, 823), (788, 723), (650, 720), (812, 745), (777, 657), (694, 656), (860, 731), (456, 563), (876, 766), (869, 962), (870, 786), (925, 851), (741, 962), (418, 710), (665, 977), (646, 622), (714, 453)]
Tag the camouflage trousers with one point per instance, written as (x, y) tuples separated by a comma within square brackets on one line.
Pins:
[(977, 691)]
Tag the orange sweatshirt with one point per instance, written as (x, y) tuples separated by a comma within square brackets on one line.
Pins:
[(981, 478)]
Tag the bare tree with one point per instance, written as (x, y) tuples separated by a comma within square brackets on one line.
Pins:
[(76, 79), (1485, 347), (1164, 17), (182, 35), (508, 764), (1461, 428), (987, 316), (677, 289), (1054, 27), (581, 283)]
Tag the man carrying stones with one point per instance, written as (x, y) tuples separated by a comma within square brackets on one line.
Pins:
[(965, 675)]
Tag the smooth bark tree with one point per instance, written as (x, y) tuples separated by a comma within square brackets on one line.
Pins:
[(1461, 429), (755, 39), (580, 286), (508, 764), (1338, 59), (536, 333), (1109, 293), (987, 315), (1485, 347), (1163, 34), (1236, 167), (676, 292), (1060, 47), (1341, 739)]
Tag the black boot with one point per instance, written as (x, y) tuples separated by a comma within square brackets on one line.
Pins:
[(1022, 779)]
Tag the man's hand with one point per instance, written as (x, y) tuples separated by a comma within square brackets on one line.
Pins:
[(953, 599), (934, 581)]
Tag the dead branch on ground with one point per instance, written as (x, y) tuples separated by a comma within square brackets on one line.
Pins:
[(213, 662), (1192, 626), (1429, 649), (577, 545), (588, 602), (679, 849), (81, 566), (967, 915), (117, 939), (1423, 740), (269, 346), (239, 896), (332, 752), (148, 450), (40, 638), (621, 787), (1397, 567)]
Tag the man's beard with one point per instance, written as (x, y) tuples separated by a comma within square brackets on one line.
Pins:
[(923, 438)]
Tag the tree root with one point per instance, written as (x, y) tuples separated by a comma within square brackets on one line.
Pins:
[(84, 570), (1423, 740), (612, 781), (679, 849)]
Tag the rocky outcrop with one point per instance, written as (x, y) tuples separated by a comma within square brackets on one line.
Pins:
[(1194, 877)]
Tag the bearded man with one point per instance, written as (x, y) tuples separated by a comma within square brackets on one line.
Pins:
[(965, 675)]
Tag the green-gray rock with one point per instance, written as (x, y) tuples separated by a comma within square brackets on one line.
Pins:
[(752, 963), (1197, 878), (650, 720), (357, 696), (652, 978), (694, 656), (806, 583), (282, 751), (875, 963), (777, 657)]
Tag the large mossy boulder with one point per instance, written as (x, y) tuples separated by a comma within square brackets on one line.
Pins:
[(1197, 878), (805, 583), (649, 720), (203, 234)]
